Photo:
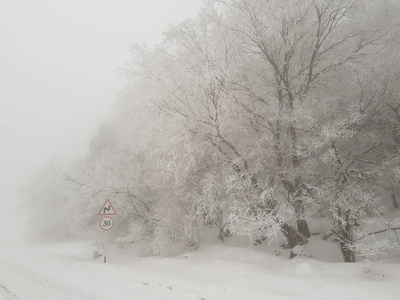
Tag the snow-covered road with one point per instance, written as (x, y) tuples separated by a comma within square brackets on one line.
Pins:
[(66, 271), (25, 278), (34, 273)]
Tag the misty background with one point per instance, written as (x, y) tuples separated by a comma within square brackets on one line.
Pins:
[(59, 78)]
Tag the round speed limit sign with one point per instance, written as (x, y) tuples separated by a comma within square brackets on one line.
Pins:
[(106, 223)]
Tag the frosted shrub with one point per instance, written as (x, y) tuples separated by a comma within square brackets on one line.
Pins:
[(213, 203), (176, 228), (372, 248), (256, 214), (371, 269)]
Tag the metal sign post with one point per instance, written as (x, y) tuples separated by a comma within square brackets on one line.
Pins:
[(105, 246), (106, 223)]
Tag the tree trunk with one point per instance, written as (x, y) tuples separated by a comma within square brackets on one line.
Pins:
[(293, 237), (223, 233), (349, 255), (302, 227), (394, 200), (345, 239)]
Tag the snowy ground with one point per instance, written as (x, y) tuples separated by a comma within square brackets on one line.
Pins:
[(68, 271)]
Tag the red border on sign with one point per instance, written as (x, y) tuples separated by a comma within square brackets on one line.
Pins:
[(111, 225), (108, 214)]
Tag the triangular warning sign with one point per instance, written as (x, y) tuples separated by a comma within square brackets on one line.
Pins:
[(107, 209)]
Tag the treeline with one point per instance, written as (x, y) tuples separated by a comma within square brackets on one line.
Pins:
[(255, 117)]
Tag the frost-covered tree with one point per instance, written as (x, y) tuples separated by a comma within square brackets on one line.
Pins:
[(292, 52)]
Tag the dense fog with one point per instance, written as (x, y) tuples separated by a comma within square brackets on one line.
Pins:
[(60, 64)]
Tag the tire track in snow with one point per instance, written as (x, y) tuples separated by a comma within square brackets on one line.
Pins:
[(9, 294), (33, 284)]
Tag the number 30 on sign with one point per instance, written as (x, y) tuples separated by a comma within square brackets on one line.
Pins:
[(106, 223)]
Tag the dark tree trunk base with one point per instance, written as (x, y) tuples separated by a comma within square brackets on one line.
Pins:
[(348, 254), (293, 237), (394, 200), (302, 227)]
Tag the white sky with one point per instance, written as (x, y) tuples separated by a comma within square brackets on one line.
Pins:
[(59, 62)]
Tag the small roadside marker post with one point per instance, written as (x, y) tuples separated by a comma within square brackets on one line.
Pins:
[(107, 222), (105, 246)]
